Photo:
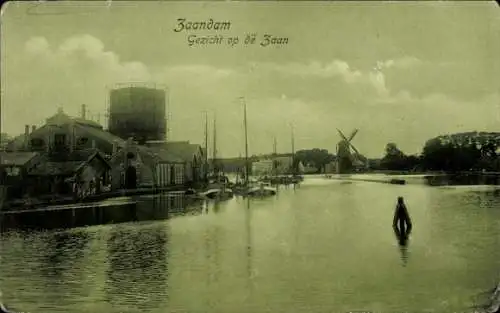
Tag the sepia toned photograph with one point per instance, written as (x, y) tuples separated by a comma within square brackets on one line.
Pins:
[(250, 156)]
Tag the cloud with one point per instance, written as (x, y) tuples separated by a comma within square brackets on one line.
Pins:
[(336, 68), (406, 62), (369, 81), (317, 97), (37, 46)]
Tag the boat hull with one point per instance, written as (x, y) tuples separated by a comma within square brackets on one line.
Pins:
[(218, 194)]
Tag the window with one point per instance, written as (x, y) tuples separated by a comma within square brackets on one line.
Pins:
[(82, 141), (13, 171), (59, 139), (37, 143)]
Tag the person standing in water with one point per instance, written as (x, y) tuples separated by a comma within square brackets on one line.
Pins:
[(402, 218)]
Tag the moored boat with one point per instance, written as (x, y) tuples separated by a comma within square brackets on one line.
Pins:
[(281, 179), (261, 191), (218, 193)]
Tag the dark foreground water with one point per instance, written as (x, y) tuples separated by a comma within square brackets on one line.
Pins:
[(324, 247)]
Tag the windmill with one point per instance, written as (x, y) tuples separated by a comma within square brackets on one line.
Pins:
[(348, 157)]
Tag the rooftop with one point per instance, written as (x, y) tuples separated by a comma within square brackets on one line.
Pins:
[(66, 164), (172, 150), (16, 158)]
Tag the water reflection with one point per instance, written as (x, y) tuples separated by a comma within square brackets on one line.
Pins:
[(236, 258), (138, 266), (402, 226), (248, 227), (60, 251), (216, 207), (403, 241), (112, 211), (462, 179)]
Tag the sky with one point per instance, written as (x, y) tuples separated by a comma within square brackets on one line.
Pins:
[(398, 72)]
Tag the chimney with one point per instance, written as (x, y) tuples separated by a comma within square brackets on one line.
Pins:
[(33, 128), (71, 138), (26, 136), (84, 109)]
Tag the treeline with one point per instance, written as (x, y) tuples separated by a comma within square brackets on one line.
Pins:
[(396, 160), (439, 156)]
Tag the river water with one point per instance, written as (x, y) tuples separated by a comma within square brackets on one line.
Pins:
[(325, 246)]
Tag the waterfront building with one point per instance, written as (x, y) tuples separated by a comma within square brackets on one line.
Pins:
[(54, 174), (262, 168), (283, 164), (14, 169), (132, 165), (77, 134), (310, 169), (76, 174), (232, 165), (130, 169), (181, 152), (170, 169), (331, 168)]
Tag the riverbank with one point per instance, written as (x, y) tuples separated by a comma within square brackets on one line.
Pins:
[(434, 179), (30, 203), (116, 210)]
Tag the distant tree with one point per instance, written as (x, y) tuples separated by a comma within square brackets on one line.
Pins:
[(391, 150), (396, 160), (452, 157), (318, 158)]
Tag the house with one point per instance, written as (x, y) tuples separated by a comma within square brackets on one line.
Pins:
[(192, 155), (170, 169), (49, 174), (14, 168), (77, 174), (331, 167), (262, 168), (277, 164), (310, 168), (133, 167), (232, 165), (283, 163), (75, 133)]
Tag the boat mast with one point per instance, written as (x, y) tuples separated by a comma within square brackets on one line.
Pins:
[(247, 169), (216, 172), (275, 169), (293, 152), (206, 145)]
